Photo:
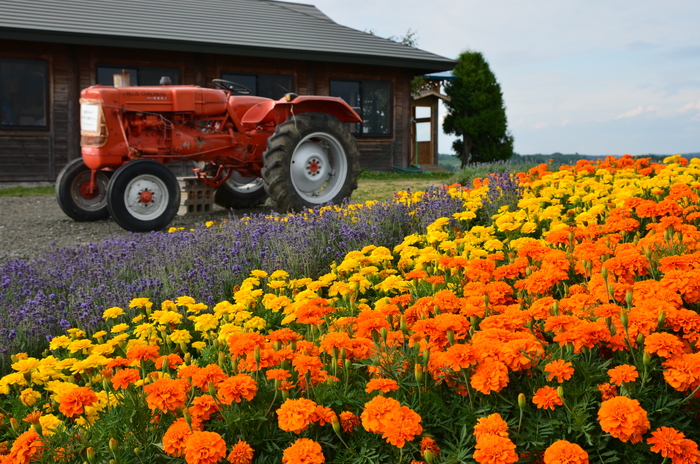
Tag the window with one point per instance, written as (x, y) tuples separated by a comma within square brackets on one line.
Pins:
[(138, 75), (273, 86), (373, 102), (23, 94)]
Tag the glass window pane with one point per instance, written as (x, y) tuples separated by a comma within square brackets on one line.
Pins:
[(376, 107), (275, 86), (246, 80), (152, 76), (105, 74), (350, 92), (23, 94)]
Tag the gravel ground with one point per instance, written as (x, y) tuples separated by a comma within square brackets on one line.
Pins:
[(30, 226)]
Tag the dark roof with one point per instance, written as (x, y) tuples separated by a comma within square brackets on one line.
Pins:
[(238, 27)]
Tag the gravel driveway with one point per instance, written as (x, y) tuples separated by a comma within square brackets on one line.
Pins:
[(29, 226)]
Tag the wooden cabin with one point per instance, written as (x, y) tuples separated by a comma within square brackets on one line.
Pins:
[(51, 49)]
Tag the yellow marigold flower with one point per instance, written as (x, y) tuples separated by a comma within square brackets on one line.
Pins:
[(258, 273), (79, 345), (199, 345), (144, 303), (279, 274), (210, 223), (143, 330), (493, 245), (166, 317), (61, 341), (91, 362), (26, 365), (275, 303), (181, 336), (196, 308), (120, 328), (118, 339), (76, 333), (112, 313), (226, 330), (528, 228), (99, 334), (224, 307), (393, 283), (205, 322), (256, 323), (29, 397), (50, 424), (184, 300), (276, 284), (138, 318), (242, 316), (102, 349)]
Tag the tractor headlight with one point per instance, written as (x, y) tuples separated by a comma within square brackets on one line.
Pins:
[(93, 128)]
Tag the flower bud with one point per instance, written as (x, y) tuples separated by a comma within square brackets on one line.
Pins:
[(646, 358), (560, 392), (383, 332), (15, 425), (211, 388), (343, 353), (628, 298), (256, 355), (426, 357), (375, 336), (348, 364), (222, 358), (418, 372), (624, 319), (661, 320), (522, 401), (604, 271), (555, 308), (451, 336), (640, 339), (429, 456), (402, 324), (90, 452), (335, 422), (188, 357), (276, 345), (113, 446), (188, 417), (37, 428), (137, 451)]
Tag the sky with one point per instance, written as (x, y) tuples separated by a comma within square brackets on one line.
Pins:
[(578, 76)]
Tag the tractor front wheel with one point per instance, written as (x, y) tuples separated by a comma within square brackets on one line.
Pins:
[(143, 195), (311, 160), (76, 198), (241, 192)]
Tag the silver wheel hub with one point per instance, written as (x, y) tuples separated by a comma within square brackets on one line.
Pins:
[(241, 184), (146, 197), (318, 168), (89, 201)]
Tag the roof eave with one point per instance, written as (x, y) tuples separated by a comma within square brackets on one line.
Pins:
[(419, 65)]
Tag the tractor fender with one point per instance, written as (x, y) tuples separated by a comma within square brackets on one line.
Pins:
[(278, 111)]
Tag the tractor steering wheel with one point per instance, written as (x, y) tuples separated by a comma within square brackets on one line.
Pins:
[(231, 86)]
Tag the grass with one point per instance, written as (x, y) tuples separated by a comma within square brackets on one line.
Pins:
[(27, 191)]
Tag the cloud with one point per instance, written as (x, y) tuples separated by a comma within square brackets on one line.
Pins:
[(566, 122), (541, 125), (689, 107), (637, 111), (517, 123)]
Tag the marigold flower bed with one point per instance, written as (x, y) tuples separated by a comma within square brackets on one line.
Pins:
[(564, 332)]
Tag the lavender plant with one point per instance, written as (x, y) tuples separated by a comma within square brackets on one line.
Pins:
[(504, 190), (73, 286)]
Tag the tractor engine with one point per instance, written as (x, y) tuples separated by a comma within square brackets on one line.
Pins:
[(164, 123)]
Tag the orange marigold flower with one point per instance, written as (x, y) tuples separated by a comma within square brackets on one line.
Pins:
[(205, 448), (623, 373), (26, 448), (607, 391), (379, 413), (385, 385), (124, 378), (203, 407), (429, 444), (564, 452), (495, 449), (491, 425), (663, 344), (323, 415), (623, 418), (237, 387), (278, 374), (73, 402), (143, 353), (303, 451), (175, 438), (171, 360), (559, 369), (404, 427), (683, 372), (241, 453), (210, 373), (349, 421), (166, 394), (546, 398), (666, 441), (490, 376), (460, 356), (296, 415)]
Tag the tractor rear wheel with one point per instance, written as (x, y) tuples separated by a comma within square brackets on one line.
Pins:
[(143, 195), (74, 196), (241, 192), (311, 160)]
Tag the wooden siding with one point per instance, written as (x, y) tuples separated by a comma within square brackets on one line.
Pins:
[(40, 155)]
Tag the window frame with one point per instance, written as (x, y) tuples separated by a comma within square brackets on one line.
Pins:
[(390, 106), (257, 81), (46, 97), (138, 70)]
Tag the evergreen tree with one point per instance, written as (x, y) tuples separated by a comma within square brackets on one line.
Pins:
[(476, 112)]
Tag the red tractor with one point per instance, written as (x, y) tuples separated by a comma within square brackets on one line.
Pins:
[(296, 150)]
